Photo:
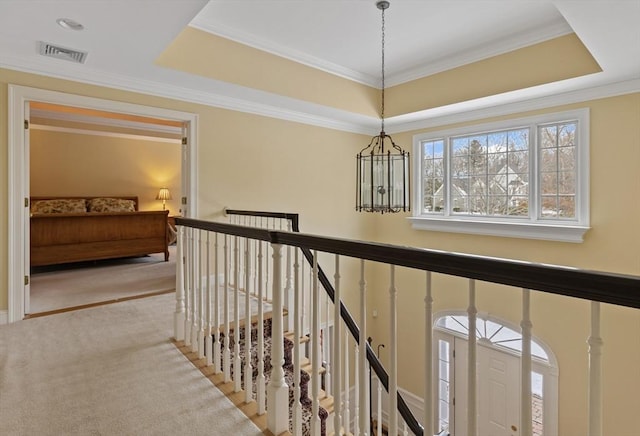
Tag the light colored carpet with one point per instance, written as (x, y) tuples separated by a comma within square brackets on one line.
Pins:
[(108, 370), (77, 284)]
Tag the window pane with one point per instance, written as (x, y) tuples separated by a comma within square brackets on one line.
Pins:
[(433, 177), (558, 175), (487, 171), (537, 404)]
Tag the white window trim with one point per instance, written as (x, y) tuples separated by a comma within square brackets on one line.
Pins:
[(516, 227)]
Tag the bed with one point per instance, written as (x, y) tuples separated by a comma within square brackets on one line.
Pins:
[(76, 229)]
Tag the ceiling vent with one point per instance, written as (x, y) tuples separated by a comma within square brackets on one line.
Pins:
[(55, 51)]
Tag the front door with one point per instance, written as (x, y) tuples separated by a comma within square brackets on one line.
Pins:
[(498, 391)]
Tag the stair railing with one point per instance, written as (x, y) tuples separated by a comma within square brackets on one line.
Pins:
[(382, 375), (191, 294)]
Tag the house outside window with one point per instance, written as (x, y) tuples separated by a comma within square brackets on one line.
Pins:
[(526, 177)]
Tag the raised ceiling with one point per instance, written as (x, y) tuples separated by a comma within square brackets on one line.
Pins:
[(337, 44)]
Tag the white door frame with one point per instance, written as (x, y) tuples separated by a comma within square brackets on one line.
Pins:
[(18, 172), (548, 370)]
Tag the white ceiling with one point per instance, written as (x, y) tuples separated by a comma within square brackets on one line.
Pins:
[(124, 37)]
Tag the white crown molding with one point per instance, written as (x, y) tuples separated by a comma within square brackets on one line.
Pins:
[(275, 106), (283, 52), (474, 54), (492, 107), (306, 113), (480, 52)]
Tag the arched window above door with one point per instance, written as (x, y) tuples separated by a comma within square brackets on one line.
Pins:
[(492, 332)]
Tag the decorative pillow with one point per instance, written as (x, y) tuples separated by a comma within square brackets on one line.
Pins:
[(111, 205), (59, 206)]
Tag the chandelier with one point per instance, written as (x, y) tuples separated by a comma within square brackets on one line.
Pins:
[(382, 171)]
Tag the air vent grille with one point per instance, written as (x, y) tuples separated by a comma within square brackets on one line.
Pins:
[(58, 52)]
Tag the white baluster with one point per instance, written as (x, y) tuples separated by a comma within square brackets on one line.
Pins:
[(288, 292), (277, 391), (405, 430), (201, 308), (248, 369), (179, 314), (346, 414), (326, 351), (471, 367), (260, 380), (237, 360), (393, 355), (297, 406), (428, 358), (595, 373), (267, 272), (195, 291), (208, 344), (362, 362), (217, 367), (525, 370), (337, 424), (226, 354), (189, 287), (315, 351), (379, 421), (356, 389)]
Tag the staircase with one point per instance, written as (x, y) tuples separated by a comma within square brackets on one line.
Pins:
[(326, 404)]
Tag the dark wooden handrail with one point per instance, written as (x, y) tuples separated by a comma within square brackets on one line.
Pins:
[(618, 289)]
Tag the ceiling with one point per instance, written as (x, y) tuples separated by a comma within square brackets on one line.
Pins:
[(123, 39)]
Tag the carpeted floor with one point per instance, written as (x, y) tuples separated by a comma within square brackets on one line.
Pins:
[(61, 286), (108, 370)]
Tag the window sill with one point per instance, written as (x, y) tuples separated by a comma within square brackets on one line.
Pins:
[(525, 230)]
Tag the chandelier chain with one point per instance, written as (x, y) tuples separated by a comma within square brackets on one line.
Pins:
[(382, 108)]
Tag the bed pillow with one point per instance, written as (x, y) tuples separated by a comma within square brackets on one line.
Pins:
[(59, 205), (111, 205)]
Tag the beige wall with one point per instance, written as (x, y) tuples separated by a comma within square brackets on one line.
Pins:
[(247, 161), (244, 161), (73, 164), (562, 323)]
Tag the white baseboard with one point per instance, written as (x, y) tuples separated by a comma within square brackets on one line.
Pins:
[(415, 403), (4, 316)]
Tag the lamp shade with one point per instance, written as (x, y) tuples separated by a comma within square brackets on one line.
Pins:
[(164, 194)]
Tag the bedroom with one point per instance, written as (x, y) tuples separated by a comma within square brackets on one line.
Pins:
[(82, 153)]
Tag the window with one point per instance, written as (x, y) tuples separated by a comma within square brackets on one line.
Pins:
[(521, 178)]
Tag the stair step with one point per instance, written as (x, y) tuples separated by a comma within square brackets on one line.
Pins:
[(291, 337), (306, 366), (341, 433)]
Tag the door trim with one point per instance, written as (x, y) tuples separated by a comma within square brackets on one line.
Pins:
[(18, 172)]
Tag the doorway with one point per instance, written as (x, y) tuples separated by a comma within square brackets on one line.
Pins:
[(20, 99), (498, 366)]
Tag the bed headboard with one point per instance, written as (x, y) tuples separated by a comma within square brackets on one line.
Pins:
[(88, 197)]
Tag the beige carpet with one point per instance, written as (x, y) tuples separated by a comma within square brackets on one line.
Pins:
[(108, 370), (77, 284)]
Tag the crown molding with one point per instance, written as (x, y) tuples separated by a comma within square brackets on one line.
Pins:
[(284, 52), (284, 108), (252, 102), (473, 54), (493, 107), (482, 51)]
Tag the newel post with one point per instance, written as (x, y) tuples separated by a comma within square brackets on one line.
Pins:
[(277, 391)]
